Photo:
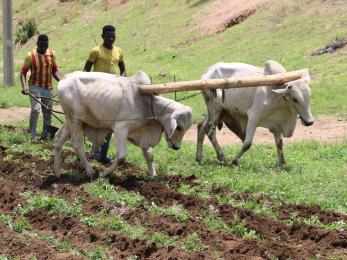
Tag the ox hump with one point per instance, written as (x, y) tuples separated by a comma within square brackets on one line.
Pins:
[(273, 67)]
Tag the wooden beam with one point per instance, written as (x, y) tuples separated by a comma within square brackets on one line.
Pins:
[(236, 82)]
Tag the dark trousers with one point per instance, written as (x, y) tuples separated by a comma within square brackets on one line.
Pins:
[(105, 146)]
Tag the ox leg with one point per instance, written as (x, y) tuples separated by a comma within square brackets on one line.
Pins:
[(61, 136), (279, 145), (247, 143), (121, 133), (202, 130), (77, 144), (212, 136), (214, 116), (147, 153)]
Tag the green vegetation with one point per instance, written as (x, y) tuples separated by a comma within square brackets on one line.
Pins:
[(49, 204), (26, 29), (315, 174), (4, 257), (339, 226), (286, 31), (211, 220), (59, 244), (20, 225), (97, 253), (162, 239), (175, 211), (203, 193), (192, 243), (103, 190), (259, 207), (6, 219)]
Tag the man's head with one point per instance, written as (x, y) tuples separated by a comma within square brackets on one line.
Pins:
[(42, 43), (109, 35)]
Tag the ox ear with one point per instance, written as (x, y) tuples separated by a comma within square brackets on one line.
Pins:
[(170, 126), (306, 77)]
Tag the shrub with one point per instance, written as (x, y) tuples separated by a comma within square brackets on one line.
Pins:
[(27, 29)]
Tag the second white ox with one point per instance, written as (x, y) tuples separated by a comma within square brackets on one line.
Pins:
[(244, 109), (97, 103)]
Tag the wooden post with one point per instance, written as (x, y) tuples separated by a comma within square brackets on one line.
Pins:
[(237, 82), (7, 39)]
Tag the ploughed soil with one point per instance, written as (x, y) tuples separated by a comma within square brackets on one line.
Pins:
[(278, 240)]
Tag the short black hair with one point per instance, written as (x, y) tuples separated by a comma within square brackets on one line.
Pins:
[(42, 38), (108, 28)]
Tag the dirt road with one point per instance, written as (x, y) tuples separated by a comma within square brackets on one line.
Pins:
[(326, 128)]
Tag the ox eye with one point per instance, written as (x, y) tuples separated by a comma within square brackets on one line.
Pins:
[(295, 100), (179, 128)]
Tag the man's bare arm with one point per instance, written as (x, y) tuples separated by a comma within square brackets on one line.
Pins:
[(88, 66)]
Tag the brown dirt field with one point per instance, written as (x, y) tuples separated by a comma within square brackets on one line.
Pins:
[(278, 240), (221, 14)]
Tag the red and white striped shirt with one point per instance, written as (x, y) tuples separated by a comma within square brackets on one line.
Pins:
[(42, 68)]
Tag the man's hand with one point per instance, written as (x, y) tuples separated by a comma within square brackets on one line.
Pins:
[(24, 90)]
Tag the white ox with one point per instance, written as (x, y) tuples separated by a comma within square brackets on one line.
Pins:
[(244, 109), (97, 103)]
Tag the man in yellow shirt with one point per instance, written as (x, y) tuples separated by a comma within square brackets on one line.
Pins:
[(106, 58)]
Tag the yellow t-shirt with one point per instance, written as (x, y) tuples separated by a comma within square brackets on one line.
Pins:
[(105, 60)]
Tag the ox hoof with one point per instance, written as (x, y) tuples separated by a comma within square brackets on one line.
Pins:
[(223, 162), (104, 174), (282, 164), (151, 175), (221, 159), (199, 160), (91, 174), (234, 163), (57, 173)]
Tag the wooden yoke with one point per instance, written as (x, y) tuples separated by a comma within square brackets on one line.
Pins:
[(237, 82)]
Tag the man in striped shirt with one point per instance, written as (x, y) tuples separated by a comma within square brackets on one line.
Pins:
[(42, 64)]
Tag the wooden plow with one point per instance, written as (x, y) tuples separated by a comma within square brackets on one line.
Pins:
[(236, 82)]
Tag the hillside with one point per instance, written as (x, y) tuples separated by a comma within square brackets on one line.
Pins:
[(167, 38), (190, 210)]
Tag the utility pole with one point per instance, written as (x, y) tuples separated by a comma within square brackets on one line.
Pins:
[(7, 43)]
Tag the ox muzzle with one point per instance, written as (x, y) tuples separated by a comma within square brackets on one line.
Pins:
[(304, 122)]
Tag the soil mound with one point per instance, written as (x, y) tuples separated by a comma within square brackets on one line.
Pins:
[(222, 14)]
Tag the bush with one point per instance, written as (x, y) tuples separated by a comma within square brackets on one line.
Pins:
[(27, 29)]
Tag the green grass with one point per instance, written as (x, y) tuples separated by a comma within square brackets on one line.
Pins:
[(339, 226), (316, 173), (175, 211), (103, 190), (152, 36), (50, 204), (162, 239), (59, 244), (20, 225), (192, 243), (211, 220), (259, 207)]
